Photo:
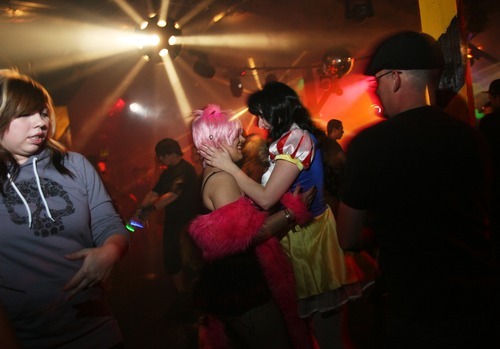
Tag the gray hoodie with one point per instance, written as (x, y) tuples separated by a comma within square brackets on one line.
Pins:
[(43, 217)]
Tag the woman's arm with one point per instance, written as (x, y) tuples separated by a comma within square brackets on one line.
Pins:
[(282, 221), (277, 225), (222, 190), (282, 177)]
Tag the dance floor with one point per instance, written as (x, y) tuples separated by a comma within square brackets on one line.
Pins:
[(142, 297)]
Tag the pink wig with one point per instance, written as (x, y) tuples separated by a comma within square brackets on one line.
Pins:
[(213, 127)]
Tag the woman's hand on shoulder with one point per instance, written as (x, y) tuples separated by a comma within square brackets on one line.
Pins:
[(219, 158), (307, 196)]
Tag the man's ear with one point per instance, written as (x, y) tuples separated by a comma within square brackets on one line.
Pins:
[(396, 81)]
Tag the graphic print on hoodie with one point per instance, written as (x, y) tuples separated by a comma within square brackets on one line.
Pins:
[(44, 221)]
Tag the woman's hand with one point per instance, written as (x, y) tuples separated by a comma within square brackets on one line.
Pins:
[(97, 264), (306, 197), (220, 158)]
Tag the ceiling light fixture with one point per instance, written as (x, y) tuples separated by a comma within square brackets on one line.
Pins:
[(159, 38)]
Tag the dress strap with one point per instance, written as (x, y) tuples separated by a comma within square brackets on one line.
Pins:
[(206, 180)]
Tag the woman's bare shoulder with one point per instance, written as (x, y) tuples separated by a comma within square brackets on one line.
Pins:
[(221, 189)]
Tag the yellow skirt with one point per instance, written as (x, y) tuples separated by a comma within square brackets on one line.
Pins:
[(319, 264)]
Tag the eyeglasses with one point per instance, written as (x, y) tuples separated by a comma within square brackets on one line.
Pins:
[(387, 73)]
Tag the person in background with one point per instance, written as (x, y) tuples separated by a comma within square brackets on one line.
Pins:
[(334, 162), (326, 277), (255, 157), (246, 283), (60, 235), (421, 176), (489, 126), (177, 193)]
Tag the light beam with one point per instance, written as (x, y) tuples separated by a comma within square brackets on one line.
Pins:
[(175, 82), (94, 122), (129, 11), (163, 12)]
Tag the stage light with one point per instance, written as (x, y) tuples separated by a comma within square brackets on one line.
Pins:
[(135, 107), (138, 109), (236, 87), (358, 9), (101, 166), (157, 39)]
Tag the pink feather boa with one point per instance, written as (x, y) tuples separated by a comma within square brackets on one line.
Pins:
[(230, 229)]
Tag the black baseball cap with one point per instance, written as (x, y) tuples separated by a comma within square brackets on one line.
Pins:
[(406, 51), (494, 88)]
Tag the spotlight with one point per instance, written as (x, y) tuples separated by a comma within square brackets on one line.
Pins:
[(236, 87), (358, 9), (159, 38)]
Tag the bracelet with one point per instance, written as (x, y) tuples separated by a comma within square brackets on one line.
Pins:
[(288, 216)]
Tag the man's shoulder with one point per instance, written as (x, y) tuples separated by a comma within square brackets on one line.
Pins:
[(186, 170), (187, 166), (373, 130), (329, 143)]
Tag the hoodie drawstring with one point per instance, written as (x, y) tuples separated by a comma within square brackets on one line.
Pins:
[(22, 198), (39, 191)]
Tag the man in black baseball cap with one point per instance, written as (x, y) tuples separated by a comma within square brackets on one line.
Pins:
[(406, 51), (489, 126), (407, 57), (419, 176)]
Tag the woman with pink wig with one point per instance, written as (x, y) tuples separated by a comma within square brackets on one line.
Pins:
[(246, 285)]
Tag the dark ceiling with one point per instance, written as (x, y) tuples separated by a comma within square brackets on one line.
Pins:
[(295, 33)]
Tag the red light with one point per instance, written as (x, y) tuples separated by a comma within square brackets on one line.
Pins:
[(243, 73), (101, 165), (117, 107)]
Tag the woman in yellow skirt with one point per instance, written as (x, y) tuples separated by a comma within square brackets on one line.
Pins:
[(326, 276)]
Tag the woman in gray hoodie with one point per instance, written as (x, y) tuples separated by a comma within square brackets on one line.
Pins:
[(59, 236)]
